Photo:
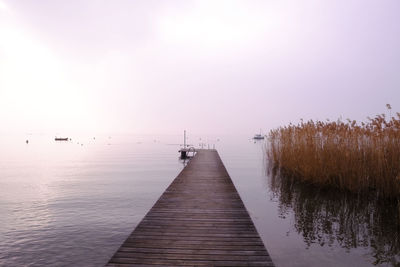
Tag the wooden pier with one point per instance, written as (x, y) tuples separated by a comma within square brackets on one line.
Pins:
[(200, 220)]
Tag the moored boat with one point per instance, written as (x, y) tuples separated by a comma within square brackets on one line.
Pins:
[(258, 137), (61, 139)]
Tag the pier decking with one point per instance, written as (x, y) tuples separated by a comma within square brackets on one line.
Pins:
[(200, 220)]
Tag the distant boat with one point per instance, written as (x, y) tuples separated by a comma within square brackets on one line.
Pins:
[(61, 139), (258, 137)]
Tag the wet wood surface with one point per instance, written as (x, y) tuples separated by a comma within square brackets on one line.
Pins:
[(200, 220)]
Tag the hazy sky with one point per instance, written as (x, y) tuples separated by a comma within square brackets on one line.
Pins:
[(205, 66)]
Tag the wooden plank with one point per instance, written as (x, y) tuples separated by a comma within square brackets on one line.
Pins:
[(183, 256), (246, 246), (200, 220), (168, 262), (236, 252)]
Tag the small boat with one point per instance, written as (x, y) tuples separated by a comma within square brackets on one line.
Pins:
[(61, 139), (258, 137)]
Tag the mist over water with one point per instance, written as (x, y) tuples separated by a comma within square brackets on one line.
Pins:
[(74, 203), (209, 66)]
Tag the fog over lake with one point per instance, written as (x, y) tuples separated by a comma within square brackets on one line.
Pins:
[(119, 82), (207, 66)]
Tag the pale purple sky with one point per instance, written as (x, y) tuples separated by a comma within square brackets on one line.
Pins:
[(205, 66)]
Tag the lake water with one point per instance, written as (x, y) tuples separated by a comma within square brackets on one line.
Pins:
[(74, 203)]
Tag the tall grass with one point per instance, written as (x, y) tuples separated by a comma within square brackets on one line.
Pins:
[(346, 155)]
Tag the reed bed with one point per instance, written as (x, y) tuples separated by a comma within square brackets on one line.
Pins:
[(347, 155)]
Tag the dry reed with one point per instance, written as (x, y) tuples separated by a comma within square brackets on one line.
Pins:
[(346, 155)]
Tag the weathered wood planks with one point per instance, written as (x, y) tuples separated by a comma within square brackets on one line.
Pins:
[(200, 220)]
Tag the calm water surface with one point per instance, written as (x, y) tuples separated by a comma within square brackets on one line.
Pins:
[(64, 203)]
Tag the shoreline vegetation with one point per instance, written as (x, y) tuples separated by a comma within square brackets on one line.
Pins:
[(352, 156)]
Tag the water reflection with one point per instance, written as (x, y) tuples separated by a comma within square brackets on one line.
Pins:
[(330, 217), (184, 162)]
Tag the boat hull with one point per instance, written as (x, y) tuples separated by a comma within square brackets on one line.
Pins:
[(61, 139)]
